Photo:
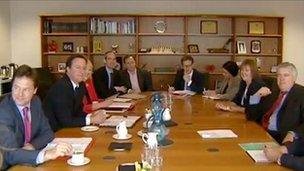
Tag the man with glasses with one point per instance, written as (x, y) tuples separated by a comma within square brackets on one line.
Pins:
[(188, 78)]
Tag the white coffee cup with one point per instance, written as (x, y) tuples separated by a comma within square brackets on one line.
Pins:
[(122, 130), (78, 156)]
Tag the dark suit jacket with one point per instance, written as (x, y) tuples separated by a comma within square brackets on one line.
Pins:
[(41, 133), (197, 81), (295, 157), (63, 107), (144, 80), (291, 115), (101, 81), (255, 85)]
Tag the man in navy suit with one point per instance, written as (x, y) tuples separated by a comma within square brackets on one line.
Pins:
[(63, 104), (107, 79), (24, 124), (188, 78)]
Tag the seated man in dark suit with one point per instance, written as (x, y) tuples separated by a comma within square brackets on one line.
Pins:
[(63, 104), (107, 79), (188, 78), (135, 79), (24, 126), (290, 155), (282, 111)]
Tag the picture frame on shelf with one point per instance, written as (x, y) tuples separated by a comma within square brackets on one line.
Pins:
[(256, 27), (255, 46), (67, 47), (61, 67), (208, 27), (241, 47), (193, 48)]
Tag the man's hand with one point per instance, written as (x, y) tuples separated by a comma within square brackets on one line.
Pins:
[(171, 89), (98, 117), (28, 146), (102, 104), (289, 137), (60, 150), (274, 153), (264, 91), (121, 88)]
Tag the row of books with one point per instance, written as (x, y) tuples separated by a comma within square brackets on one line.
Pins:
[(61, 27), (100, 26)]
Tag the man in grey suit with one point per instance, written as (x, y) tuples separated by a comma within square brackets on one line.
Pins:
[(24, 124)]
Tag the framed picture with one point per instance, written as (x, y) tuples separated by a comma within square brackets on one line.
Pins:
[(193, 48), (255, 46), (61, 67), (67, 47), (208, 27), (256, 27), (241, 47)]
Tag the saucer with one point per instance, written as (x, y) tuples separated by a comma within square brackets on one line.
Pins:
[(89, 128), (115, 136), (86, 161)]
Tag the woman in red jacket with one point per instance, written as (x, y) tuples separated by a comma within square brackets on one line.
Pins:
[(91, 101)]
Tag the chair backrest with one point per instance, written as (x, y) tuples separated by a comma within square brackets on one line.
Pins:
[(205, 79), (45, 81), (270, 81)]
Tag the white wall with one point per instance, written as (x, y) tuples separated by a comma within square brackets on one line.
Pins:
[(25, 30), (5, 44)]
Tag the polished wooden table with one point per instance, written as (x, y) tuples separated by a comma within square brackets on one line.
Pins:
[(189, 151)]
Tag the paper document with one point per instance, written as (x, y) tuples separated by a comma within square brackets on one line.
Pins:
[(120, 105), (121, 100), (184, 92), (133, 96), (78, 143), (115, 120), (255, 150), (219, 133), (212, 97), (258, 156)]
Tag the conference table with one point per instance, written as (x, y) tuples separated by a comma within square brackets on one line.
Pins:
[(189, 150)]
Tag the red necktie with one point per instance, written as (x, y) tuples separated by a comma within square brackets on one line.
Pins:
[(27, 124), (266, 117)]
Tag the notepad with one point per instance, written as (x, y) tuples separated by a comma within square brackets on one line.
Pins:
[(120, 105), (258, 156), (115, 120), (78, 143), (218, 133), (255, 150)]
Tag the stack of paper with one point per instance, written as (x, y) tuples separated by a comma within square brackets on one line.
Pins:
[(115, 120), (219, 133), (184, 92), (133, 96), (121, 100), (255, 150), (120, 105), (77, 143)]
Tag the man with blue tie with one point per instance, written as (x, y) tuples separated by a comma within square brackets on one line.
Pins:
[(107, 79), (24, 124)]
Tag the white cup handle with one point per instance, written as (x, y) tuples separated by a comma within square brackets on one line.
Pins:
[(117, 128), (144, 136)]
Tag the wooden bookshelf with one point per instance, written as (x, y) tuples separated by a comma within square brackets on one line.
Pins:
[(132, 32)]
